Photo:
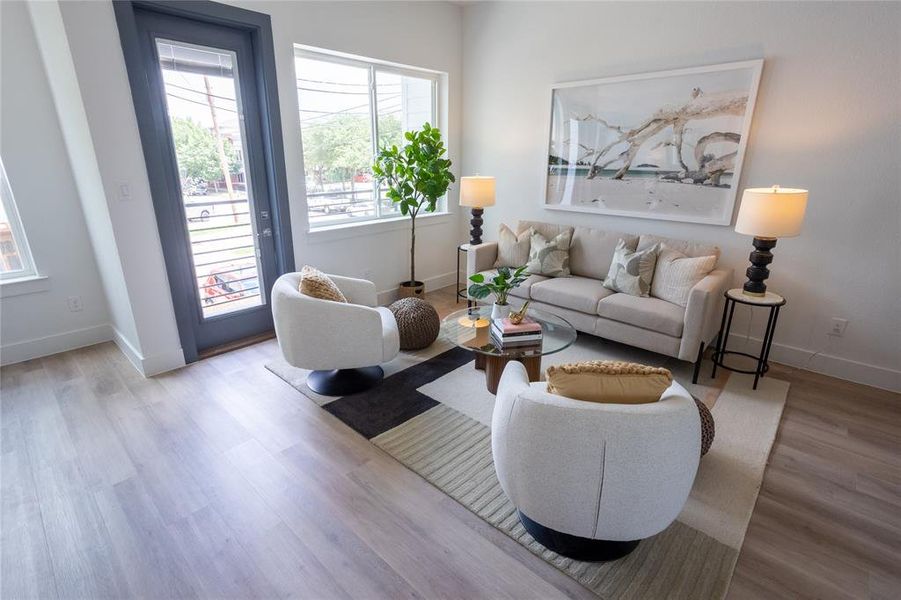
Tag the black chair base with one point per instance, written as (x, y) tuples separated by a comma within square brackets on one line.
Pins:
[(344, 382), (575, 547)]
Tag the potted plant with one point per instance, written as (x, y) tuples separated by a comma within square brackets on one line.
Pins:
[(500, 285), (416, 176)]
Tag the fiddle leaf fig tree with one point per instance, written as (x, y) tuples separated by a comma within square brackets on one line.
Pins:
[(416, 176)]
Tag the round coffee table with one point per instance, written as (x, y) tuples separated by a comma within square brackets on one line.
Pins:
[(470, 328)]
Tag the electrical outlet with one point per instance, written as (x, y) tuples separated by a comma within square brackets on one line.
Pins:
[(75, 304), (837, 326)]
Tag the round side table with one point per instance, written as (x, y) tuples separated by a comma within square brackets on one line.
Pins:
[(773, 302), (461, 291)]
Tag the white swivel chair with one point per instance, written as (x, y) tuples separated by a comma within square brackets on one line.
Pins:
[(591, 480), (343, 344)]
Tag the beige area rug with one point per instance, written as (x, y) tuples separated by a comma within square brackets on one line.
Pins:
[(433, 413)]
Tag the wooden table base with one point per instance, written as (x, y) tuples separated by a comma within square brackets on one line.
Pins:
[(494, 368)]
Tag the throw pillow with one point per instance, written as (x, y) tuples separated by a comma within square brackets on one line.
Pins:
[(631, 271), (316, 284), (611, 382), (512, 249), (677, 273), (549, 257)]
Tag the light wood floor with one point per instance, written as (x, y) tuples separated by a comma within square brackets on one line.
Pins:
[(219, 480)]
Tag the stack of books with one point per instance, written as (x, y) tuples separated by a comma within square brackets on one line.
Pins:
[(504, 333)]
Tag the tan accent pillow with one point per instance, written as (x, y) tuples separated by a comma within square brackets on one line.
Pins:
[(512, 249), (675, 275), (609, 382), (316, 284)]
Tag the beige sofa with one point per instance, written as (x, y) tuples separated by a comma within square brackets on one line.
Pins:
[(649, 323)]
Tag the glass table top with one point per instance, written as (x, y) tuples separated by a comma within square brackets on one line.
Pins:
[(470, 328)]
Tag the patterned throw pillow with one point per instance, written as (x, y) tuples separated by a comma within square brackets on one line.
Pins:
[(550, 257), (676, 274), (512, 249), (316, 284), (631, 271), (608, 381)]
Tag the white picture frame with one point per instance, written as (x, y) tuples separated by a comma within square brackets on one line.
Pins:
[(664, 145)]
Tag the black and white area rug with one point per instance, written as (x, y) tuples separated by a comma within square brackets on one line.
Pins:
[(433, 414)]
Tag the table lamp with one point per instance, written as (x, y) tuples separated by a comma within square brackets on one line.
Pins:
[(476, 192), (768, 214)]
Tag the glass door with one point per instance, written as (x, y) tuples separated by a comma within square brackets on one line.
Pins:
[(206, 117), (214, 215)]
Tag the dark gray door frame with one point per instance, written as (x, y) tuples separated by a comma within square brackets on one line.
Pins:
[(259, 27)]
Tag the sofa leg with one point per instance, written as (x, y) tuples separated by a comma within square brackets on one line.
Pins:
[(575, 547), (694, 378), (344, 382)]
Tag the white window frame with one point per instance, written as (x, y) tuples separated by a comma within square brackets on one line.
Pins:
[(28, 269), (372, 65)]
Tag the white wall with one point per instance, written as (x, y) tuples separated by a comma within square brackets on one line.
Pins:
[(828, 119), (32, 147), (99, 67), (419, 34), (106, 154)]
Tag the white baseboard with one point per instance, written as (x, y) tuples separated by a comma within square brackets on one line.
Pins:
[(149, 366), (54, 344), (431, 283), (827, 364)]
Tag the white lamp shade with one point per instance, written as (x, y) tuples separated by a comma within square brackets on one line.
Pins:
[(477, 191), (772, 212)]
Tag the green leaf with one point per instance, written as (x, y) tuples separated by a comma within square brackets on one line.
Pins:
[(478, 291), (477, 278)]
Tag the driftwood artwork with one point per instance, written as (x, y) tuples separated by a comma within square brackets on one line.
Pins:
[(661, 145)]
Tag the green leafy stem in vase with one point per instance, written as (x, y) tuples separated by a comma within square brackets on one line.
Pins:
[(500, 285)]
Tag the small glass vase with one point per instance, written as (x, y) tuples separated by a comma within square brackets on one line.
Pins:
[(500, 311)]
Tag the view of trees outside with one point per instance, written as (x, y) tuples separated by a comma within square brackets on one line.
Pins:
[(198, 153), (205, 119), (338, 149), (336, 116)]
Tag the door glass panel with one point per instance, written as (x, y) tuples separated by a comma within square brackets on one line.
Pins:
[(204, 106), (336, 125)]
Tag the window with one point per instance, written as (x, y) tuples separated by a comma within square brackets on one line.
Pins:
[(15, 256), (348, 110)]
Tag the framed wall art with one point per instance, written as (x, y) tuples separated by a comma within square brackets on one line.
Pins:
[(664, 145)]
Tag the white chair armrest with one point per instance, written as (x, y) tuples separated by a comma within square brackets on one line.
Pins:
[(357, 291), (480, 257), (705, 303)]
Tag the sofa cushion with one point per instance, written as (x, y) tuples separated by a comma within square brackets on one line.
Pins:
[(592, 251), (575, 293), (548, 230), (648, 313), (608, 381), (686, 247), (523, 290)]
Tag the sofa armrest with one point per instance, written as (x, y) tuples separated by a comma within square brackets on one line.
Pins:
[(705, 302), (357, 291), (480, 257)]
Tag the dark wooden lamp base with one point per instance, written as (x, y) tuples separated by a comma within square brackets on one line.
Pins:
[(758, 271), (475, 233)]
